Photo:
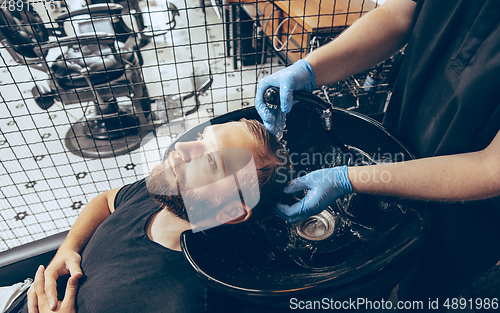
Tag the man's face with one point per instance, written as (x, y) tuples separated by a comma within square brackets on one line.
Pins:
[(197, 175)]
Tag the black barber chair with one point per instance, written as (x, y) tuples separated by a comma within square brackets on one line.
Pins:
[(99, 69), (21, 31), (99, 64)]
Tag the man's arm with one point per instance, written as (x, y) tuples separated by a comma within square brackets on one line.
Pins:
[(460, 177), (369, 41), (67, 259), (94, 213)]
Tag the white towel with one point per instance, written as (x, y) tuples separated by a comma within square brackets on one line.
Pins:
[(9, 294)]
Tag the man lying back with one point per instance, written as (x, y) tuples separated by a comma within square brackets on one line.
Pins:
[(123, 251)]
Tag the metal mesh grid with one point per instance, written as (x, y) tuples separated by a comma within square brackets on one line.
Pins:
[(75, 110), (150, 63)]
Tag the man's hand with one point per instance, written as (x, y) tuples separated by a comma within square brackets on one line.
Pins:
[(324, 187), (64, 263), (67, 259), (298, 76), (38, 289)]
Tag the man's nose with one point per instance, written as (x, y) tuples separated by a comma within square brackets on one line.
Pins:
[(189, 150)]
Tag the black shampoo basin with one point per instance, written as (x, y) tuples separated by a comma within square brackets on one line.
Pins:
[(366, 243)]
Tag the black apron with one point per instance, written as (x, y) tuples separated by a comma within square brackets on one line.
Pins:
[(446, 101)]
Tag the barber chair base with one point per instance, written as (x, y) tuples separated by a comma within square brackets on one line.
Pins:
[(110, 126), (80, 143)]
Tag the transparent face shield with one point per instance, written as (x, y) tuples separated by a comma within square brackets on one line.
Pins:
[(210, 197), (227, 199)]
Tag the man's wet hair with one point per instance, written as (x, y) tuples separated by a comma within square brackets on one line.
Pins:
[(274, 158)]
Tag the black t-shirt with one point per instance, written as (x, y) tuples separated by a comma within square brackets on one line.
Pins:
[(124, 271)]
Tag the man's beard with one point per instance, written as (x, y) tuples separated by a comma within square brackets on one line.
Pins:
[(171, 198)]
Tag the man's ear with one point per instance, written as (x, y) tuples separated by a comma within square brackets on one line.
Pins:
[(233, 213)]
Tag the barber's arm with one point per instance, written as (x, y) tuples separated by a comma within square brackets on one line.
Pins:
[(459, 177), (369, 41), (67, 259), (372, 39)]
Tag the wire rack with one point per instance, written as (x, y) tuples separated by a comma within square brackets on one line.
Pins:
[(368, 92), (83, 84)]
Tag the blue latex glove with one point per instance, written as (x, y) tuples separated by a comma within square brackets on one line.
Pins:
[(298, 76), (324, 187)]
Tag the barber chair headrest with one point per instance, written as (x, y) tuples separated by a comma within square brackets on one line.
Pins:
[(105, 64)]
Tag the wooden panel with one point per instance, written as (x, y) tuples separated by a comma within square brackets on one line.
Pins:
[(270, 18), (315, 14), (309, 17), (296, 47)]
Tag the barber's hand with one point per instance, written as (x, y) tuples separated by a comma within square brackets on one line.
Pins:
[(324, 187), (298, 76), (64, 263), (65, 306)]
